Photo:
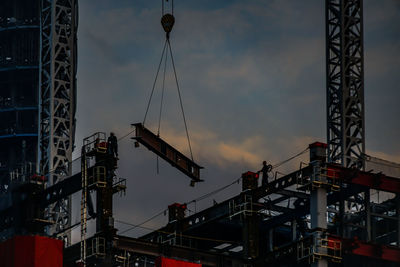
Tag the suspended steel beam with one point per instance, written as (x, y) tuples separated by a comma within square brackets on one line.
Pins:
[(165, 151)]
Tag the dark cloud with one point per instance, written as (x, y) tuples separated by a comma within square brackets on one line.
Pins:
[(252, 76)]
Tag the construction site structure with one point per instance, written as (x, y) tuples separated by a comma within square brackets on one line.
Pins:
[(334, 210), (284, 222), (37, 100)]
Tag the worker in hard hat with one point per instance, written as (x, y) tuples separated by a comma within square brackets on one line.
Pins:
[(112, 145), (265, 170)]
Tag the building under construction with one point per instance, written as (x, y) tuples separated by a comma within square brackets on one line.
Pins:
[(325, 213), (37, 101)]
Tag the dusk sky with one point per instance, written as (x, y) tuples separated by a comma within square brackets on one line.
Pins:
[(253, 83)]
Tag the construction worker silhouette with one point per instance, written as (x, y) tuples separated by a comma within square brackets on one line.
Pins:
[(112, 144), (265, 170)]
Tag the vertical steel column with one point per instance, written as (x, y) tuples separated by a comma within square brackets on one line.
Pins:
[(318, 208), (345, 82), (294, 230), (318, 200), (318, 218), (367, 205), (251, 236), (57, 98), (271, 240), (398, 218), (250, 219)]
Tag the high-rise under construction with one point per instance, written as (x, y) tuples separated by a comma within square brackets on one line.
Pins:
[(38, 91)]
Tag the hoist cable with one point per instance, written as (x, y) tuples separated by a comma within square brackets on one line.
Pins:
[(180, 99), (289, 159), (140, 224), (155, 81), (162, 7), (162, 94)]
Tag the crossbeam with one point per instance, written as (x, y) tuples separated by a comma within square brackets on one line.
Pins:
[(376, 181), (144, 247)]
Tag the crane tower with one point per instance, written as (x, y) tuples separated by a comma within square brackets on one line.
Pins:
[(345, 82)]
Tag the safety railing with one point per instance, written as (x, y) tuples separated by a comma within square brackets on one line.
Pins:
[(97, 248), (327, 248), (320, 177), (322, 247), (97, 142), (243, 208), (98, 177), (123, 259), (120, 186)]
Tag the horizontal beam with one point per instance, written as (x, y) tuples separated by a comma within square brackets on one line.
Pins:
[(288, 253), (153, 249), (223, 210), (377, 181), (9, 217), (376, 251), (61, 190), (291, 193), (165, 151)]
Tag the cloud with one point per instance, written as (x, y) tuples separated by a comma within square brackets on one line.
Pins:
[(245, 153), (252, 78), (382, 60), (377, 13)]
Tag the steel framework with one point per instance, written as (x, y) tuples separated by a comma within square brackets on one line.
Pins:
[(57, 97), (345, 82)]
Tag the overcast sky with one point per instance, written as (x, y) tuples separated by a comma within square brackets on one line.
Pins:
[(252, 77)]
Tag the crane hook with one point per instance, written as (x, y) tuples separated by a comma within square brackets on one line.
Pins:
[(168, 21)]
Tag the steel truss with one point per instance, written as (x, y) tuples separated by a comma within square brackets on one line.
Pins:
[(283, 210), (345, 82), (57, 98)]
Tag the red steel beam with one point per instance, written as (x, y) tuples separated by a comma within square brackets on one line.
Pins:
[(361, 248), (372, 180)]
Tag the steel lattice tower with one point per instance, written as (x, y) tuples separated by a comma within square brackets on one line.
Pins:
[(345, 82), (57, 97)]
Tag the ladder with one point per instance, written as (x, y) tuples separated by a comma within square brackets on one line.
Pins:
[(84, 171)]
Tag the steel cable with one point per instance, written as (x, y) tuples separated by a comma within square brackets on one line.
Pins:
[(180, 98), (155, 81)]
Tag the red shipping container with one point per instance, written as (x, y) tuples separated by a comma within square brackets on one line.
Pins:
[(166, 262), (31, 251)]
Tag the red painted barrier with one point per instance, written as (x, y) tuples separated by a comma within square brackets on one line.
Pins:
[(32, 251), (166, 262), (366, 249)]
